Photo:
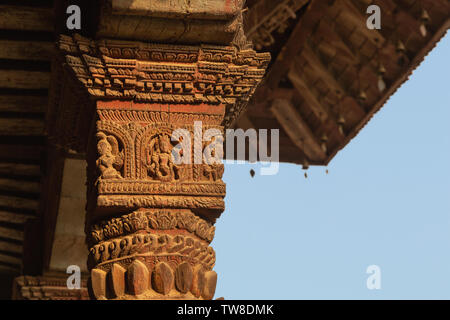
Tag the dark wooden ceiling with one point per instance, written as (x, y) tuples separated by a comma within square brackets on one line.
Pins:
[(321, 89)]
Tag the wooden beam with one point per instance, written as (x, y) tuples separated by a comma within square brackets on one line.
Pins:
[(10, 259), (17, 169), (22, 79), (260, 104), (26, 18), (13, 152), (332, 43), (21, 127), (23, 103), (12, 217), (11, 233), (323, 71), (16, 185), (303, 89), (358, 19), (18, 203), (10, 247), (9, 269), (331, 31), (297, 129), (26, 50)]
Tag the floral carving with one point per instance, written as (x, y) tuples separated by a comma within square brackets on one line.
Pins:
[(155, 220), (163, 220)]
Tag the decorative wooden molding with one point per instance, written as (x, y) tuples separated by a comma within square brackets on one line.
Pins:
[(267, 17), (297, 129), (47, 288), (171, 74)]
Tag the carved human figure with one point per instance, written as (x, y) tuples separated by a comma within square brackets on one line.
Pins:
[(212, 168), (110, 159), (160, 162)]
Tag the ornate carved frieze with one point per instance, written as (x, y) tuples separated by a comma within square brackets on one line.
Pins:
[(131, 159), (171, 74), (47, 288), (151, 220), (267, 17)]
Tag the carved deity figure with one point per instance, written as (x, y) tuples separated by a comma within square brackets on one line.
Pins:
[(212, 168), (160, 165), (110, 160)]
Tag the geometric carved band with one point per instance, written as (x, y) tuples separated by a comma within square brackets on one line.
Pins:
[(152, 187), (152, 201), (47, 288), (157, 73), (156, 219)]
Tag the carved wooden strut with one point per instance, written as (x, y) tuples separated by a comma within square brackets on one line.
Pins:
[(150, 220)]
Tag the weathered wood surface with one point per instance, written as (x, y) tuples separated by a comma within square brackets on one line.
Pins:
[(10, 247), (13, 217), (193, 9), (11, 233), (7, 269), (17, 152), (15, 185), (26, 50), (18, 203), (22, 103), (23, 79), (21, 127), (26, 18), (10, 259), (297, 129), (18, 169)]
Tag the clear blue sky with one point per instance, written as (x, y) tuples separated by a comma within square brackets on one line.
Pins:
[(385, 201)]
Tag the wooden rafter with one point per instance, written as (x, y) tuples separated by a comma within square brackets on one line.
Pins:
[(357, 18), (26, 18), (305, 91), (11, 233), (323, 71), (297, 129), (10, 247), (13, 217)]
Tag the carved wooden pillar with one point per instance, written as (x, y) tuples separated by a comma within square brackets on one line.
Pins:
[(149, 219)]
